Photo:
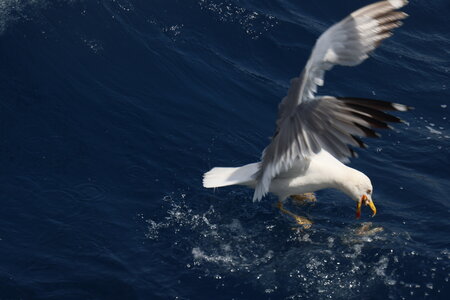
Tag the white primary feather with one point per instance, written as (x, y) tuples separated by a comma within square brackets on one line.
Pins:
[(313, 133), (307, 123)]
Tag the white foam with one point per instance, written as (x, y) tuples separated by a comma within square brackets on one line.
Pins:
[(200, 255), (313, 262), (12, 10), (253, 23), (432, 130)]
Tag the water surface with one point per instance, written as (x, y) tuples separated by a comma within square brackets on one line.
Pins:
[(112, 110)]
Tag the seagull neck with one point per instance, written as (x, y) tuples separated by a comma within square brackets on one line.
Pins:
[(346, 181)]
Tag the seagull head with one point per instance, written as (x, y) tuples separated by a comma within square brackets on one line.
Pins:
[(359, 187)]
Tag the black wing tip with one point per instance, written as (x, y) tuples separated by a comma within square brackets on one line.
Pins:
[(353, 153), (376, 103), (367, 131), (373, 121), (360, 143)]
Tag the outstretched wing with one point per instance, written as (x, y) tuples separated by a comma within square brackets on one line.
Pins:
[(306, 124)]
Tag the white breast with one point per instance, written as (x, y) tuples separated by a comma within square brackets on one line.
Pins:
[(323, 171)]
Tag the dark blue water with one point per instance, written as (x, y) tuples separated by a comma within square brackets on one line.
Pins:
[(110, 112)]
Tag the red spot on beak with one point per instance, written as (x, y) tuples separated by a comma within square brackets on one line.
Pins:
[(358, 206)]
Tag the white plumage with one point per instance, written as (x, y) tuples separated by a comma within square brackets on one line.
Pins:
[(315, 134)]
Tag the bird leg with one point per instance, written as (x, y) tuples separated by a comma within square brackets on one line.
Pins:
[(300, 220), (304, 198), (366, 229)]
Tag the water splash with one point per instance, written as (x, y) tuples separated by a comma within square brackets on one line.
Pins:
[(323, 262), (253, 23)]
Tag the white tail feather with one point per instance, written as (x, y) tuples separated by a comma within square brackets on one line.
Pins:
[(217, 177)]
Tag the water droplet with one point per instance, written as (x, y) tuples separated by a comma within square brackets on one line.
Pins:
[(391, 282)]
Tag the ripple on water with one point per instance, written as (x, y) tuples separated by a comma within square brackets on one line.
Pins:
[(320, 262), (90, 192)]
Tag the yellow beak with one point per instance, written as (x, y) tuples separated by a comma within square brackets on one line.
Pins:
[(372, 207), (368, 202)]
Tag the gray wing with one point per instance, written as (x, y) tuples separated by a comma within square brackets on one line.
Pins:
[(306, 123)]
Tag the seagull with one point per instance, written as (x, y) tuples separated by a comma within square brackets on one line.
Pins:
[(315, 134)]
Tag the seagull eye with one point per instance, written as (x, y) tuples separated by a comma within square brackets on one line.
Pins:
[(369, 191)]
